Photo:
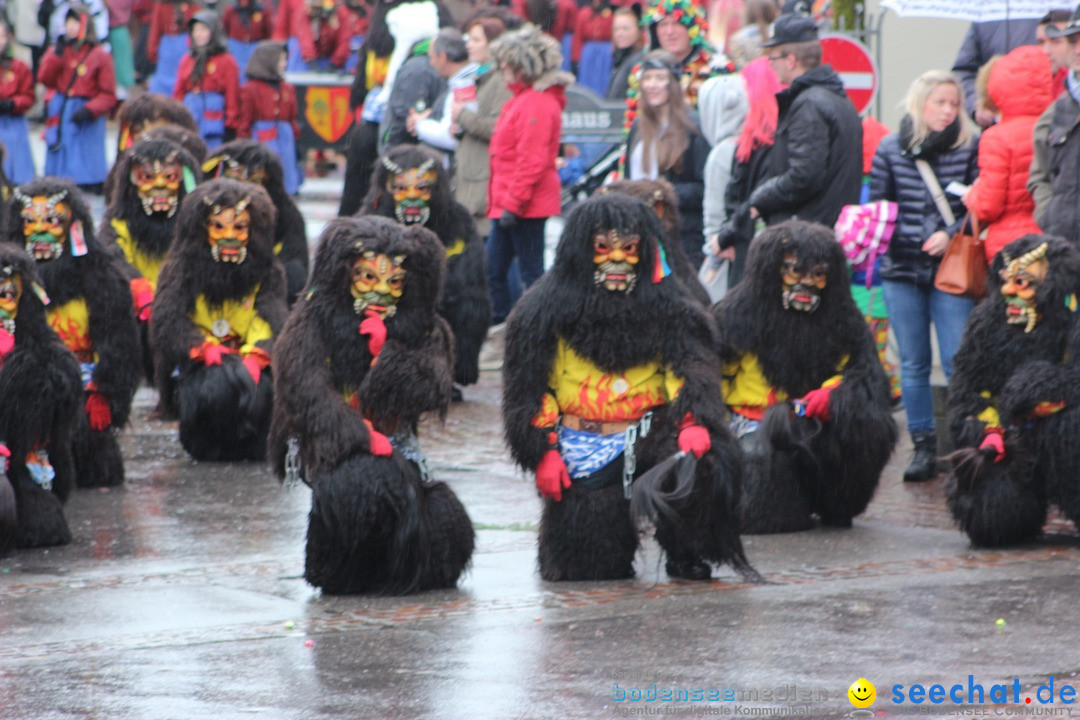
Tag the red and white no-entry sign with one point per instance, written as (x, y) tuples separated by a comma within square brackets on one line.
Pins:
[(852, 62)]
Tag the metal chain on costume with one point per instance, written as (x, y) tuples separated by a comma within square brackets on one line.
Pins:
[(292, 463), (409, 446), (636, 431)]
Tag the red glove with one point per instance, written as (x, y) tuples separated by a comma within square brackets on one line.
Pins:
[(7, 342), (375, 329), (997, 442), (210, 353), (693, 438), (97, 409), (254, 368), (254, 362), (552, 476), (5, 453), (379, 444), (142, 296), (816, 404)]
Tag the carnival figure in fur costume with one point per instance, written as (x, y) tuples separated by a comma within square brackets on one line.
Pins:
[(362, 357), (90, 311), (40, 398), (410, 185), (809, 399), (1014, 395), (396, 25), (145, 112), (252, 162), (137, 117), (609, 372), (660, 196), (219, 306), (140, 220)]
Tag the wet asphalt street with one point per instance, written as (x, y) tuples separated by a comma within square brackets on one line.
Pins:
[(182, 597)]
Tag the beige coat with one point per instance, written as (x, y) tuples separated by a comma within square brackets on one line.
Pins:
[(471, 159)]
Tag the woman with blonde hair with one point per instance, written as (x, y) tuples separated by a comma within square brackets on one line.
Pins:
[(666, 142), (936, 131)]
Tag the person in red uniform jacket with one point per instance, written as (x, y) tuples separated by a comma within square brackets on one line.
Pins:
[(311, 29), (1020, 86), (268, 108), (590, 48), (209, 81), (81, 81), (592, 24), (353, 15), (168, 41), (555, 17), (16, 97), (246, 24)]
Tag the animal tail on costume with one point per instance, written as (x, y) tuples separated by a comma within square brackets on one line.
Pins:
[(714, 508), (650, 501), (787, 433), (98, 462), (365, 528), (699, 511), (223, 415), (995, 504), (449, 537), (969, 466), (9, 519)]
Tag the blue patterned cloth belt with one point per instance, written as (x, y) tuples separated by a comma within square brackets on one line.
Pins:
[(741, 425), (585, 453), (86, 369)]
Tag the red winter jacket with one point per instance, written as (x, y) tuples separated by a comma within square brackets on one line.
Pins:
[(165, 21), (17, 84), (221, 76), (590, 26), (523, 151), (1020, 86), (96, 82), (260, 100), (259, 27)]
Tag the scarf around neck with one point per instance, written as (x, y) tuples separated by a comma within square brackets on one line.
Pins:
[(932, 145)]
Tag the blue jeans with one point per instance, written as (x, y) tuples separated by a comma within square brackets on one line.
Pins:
[(911, 310), (525, 242)]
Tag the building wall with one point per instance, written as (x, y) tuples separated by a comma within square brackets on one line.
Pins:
[(910, 47)]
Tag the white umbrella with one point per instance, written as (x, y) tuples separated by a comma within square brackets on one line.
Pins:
[(974, 10)]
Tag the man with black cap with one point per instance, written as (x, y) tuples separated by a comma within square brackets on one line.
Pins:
[(1054, 179), (1056, 48), (816, 161)]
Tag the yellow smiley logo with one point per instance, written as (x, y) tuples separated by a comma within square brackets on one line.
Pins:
[(862, 693)]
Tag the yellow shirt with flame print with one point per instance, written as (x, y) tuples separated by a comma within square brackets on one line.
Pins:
[(581, 388)]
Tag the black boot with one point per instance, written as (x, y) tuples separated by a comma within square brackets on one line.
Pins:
[(924, 461), (688, 568)]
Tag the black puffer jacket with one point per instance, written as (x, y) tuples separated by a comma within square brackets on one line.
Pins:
[(817, 156), (983, 41), (895, 177)]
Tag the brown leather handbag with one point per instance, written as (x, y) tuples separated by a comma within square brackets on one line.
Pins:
[(963, 267)]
